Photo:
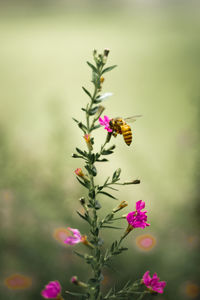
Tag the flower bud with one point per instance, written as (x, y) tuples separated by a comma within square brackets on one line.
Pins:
[(83, 203), (75, 281), (106, 52), (100, 111), (75, 155), (102, 79), (120, 206), (137, 181), (82, 200), (88, 141), (95, 52), (79, 172)]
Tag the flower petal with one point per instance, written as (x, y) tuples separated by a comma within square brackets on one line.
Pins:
[(146, 278)]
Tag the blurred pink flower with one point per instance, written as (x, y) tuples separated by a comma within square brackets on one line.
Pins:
[(153, 284), (52, 290), (75, 238), (74, 280), (138, 218), (105, 122)]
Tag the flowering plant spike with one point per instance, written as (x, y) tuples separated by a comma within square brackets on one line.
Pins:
[(97, 254)]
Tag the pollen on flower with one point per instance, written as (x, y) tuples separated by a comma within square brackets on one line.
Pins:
[(105, 122)]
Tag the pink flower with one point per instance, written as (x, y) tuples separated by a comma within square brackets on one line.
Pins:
[(153, 283), (105, 122), (75, 238), (138, 218), (52, 290)]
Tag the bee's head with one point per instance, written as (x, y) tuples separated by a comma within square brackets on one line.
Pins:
[(111, 123)]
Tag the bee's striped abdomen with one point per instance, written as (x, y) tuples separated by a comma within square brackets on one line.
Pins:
[(127, 134)]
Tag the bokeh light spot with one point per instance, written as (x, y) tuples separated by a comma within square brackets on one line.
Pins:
[(60, 234), (145, 242), (192, 290), (18, 281), (6, 195)]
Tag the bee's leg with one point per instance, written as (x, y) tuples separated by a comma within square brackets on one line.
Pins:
[(114, 134)]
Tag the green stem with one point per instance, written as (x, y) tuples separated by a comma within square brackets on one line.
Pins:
[(96, 266)]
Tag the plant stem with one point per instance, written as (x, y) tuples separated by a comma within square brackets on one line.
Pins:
[(96, 266)]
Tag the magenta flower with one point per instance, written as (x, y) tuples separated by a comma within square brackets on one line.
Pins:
[(105, 122), (52, 290), (138, 218), (153, 284), (75, 238)]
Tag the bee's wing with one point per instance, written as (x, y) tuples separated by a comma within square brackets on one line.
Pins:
[(132, 119)]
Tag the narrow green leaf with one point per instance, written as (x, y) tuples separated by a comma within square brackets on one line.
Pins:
[(83, 183), (112, 147), (93, 110), (92, 171), (100, 187), (87, 92), (102, 160), (107, 194), (76, 294), (75, 120), (95, 127), (116, 175), (112, 188), (80, 151), (80, 125), (79, 254), (108, 294), (106, 152), (92, 67), (74, 155), (109, 69), (82, 216), (112, 227)]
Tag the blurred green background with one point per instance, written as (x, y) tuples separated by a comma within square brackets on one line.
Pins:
[(43, 49)]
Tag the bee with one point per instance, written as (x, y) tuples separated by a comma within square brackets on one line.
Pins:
[(119, 126)]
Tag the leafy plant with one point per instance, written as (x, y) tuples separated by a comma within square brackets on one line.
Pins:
[(97, 256)]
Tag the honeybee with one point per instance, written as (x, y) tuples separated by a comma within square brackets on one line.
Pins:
[(119, 126)]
